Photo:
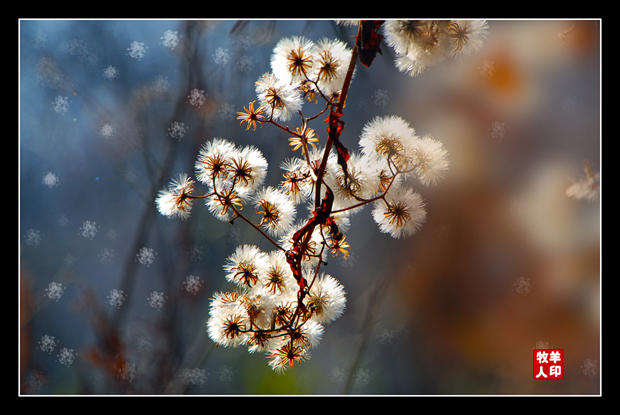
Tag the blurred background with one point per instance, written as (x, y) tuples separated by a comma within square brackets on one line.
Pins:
[(113, 297)]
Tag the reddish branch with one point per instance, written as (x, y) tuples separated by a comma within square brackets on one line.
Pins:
[(366, 47)]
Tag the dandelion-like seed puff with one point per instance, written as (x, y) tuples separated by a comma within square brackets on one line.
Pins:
[(401, 214), (420, 44), (176, 200)]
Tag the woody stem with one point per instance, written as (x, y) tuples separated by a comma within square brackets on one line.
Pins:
[(338, 109)]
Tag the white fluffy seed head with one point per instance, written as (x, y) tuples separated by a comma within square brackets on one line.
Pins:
[(388, 137), (277, 210), (326, 299), (330, 65), (431, 160), (281, 99), (292, 59), (401, 214)]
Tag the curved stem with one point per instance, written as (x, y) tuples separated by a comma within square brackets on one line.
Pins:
[(255, 226), (240, 215), (201, 197), (320, 113)]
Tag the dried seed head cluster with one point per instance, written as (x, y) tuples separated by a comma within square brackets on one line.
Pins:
[(588, 188), (420, 44), (176, 200), (282, 298)]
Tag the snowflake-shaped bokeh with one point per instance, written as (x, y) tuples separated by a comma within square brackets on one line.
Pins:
[(36, 380), (143, 345), (177, 130), (192, 284), (362, 377), (221, 56), (337, 375), (486, 69), (589, 368), (225, 374), (111, 73), (66, 356), (146, 256), (128, 371), (116, 298), (107, 257), (111, 234), (47, 343), (498, 130), (523, 285), (50, 180), (196, 97), (32, 237), (156, 300), (245, 63), (54, 290), (130, 175), (40, 40), (107, 130), (242, 43), (380, 97), (80, 50), (162, 84), (196, 253), (227, 112), (69, 260), (88, 229), (195, 376), (60, 104), (170, 39), (137, 50), (62, 221)]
